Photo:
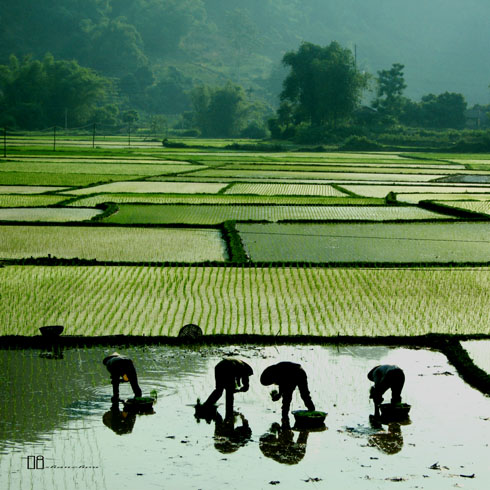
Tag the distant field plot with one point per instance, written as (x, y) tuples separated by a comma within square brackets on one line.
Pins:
[(364, 242), (28, 189), (95, 168), (416, 198), (112, 243), (366, 165), (209, 215), (475, 206), (28, 200), (228, 300), (352, 168), (108, 159), (152, 187), (231, 199), (59, 179), (334, 176), (373, 190), (48, 214), (284, 189)]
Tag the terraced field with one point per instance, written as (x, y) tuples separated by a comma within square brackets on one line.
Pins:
[(29, 200), (209, 215), (48, 214), (285, 190), (112, 244), (365, 242), (142, 187), (230, 199)]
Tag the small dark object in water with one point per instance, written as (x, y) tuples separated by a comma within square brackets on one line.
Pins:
[(309, 419), (190, 331), (396, 412), (51, 330), (140, 404)]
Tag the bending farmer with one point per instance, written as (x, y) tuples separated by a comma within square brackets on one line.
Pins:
[(122, 370), (385, 377), (288, 376), (230, 375)]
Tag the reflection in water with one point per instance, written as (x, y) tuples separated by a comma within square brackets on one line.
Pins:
[(278, 444), (390, 442), (227, 437), (51, 350), (120, 422)]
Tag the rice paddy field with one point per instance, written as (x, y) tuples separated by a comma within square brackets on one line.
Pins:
[(262, 228), (169, 237), (365, 242), (316, 301), (110, 244), (208, 215)]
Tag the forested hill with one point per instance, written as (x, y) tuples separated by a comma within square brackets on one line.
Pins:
[(442, 43)]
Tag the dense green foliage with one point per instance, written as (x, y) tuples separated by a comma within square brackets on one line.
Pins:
[(323, 85), (35, 94)]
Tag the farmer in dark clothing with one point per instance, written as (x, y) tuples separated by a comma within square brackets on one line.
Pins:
[(385, 377), (230, 375), (288, 376), (122, 370)]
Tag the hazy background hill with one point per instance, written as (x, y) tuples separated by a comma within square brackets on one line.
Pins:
[(177, 44)]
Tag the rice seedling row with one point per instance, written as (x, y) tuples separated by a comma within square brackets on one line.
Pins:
[(29, 189), (95, 168), (336, 176), (48, 214), (143, 187), (209, 215), (285, 189), (112, 244), (456, 242), (352, 168), (373, 190), (158, 301), (59, 179), (231, 199), (29, 200)]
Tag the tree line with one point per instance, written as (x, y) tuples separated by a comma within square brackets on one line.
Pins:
[(323, 98)]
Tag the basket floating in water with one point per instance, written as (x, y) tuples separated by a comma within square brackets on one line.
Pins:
[(309, 419), (139, 403), (394, 412)]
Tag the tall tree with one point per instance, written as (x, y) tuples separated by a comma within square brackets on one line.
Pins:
[(324, 85), (219, 112), (391, 84)]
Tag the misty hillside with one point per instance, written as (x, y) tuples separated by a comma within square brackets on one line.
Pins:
[(442, 43)]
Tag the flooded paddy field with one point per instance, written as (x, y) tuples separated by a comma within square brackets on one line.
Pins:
[(479, 352), (56, 417)]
